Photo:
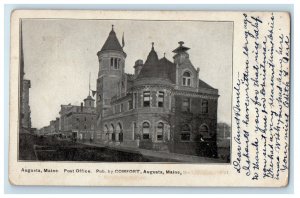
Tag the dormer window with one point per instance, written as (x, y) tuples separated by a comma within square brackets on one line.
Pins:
[(186, 79)]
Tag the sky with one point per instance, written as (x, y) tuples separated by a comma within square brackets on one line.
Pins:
[(59, 54)]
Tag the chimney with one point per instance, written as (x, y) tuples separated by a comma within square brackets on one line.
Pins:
[(81, 107), (138, 67)]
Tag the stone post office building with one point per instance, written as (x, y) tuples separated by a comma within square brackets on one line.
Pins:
[(162, 106)]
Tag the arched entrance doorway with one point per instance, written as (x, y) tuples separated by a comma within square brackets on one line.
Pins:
[(119, 132), (111, 132), (106, 132)]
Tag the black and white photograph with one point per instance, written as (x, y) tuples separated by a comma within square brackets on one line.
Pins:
[(149, 98), (125, 90)]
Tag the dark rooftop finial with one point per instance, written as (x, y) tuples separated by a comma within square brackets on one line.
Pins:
[(112, 27), (181, 48), (165, 54), (152, 45)]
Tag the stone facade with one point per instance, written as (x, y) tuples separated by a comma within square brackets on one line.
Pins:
[(162, 106), (78, 122), (54, 126), (25, 107)]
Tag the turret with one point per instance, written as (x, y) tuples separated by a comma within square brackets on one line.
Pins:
[(111, 68), (187, 76), (180, 53), (137, 67), (89, 102)]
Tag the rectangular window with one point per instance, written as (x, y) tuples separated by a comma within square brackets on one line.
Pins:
[(111, 62), (185, 136), (116, 63), (130, 105), (186, 103), (161, 96), (146, 136), (146, 99), (122, 107), (119, 63), (134, 100), (204, 106)]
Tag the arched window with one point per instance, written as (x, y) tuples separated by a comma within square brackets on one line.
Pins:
[(160, 131), (118, 128), (186, 79), (204, 106), (146, 131), (105, 129), (203, 131), (185, 133)]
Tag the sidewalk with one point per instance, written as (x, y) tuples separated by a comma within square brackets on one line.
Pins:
[(158, 154)]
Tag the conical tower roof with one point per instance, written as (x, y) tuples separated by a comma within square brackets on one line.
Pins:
[(112, 42)]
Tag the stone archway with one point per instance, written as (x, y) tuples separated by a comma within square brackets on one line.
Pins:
[(111, 133), (106, 132), (119, 132)]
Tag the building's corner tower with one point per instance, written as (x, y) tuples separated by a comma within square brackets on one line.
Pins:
[(111, 68), (187, 76), (89, 101)]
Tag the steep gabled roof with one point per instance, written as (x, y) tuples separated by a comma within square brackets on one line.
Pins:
[(151, 68), (203, 84), (169, 68)]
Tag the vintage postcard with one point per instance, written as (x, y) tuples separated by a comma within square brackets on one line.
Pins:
[(149, 98)]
